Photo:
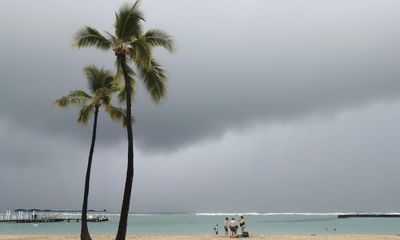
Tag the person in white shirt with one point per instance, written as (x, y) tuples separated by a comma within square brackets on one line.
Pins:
[(233, 227), (226, 224)]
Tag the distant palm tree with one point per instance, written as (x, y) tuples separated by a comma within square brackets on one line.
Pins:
[(131, 45), (100, 82)]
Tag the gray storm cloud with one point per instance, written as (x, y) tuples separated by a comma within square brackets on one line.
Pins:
[(239, 65)]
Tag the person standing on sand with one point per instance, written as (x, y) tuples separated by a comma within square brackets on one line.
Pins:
[(216, 229), (242, 224), (226, 223), (233, 227)]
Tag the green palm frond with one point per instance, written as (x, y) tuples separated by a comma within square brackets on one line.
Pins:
[(117, 114), (154, 79), (128, 22), (121, 93), (100, 99), (90, 37), (131, 80), (140, 52), (118, 73), (84, 113), (62, 102), (101, 84), (107, 90), (76, 98), (159, 38), (137, 4), (103, 95), (98, 78), (113, 39), (79, 93)]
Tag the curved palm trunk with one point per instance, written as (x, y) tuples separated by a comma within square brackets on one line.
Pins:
[(84, 228), (123, 220)]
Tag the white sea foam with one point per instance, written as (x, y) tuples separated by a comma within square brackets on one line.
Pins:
[(133, 214), (225, 214)]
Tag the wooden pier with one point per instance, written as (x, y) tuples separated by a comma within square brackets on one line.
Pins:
[(43, 217), (369, 215)]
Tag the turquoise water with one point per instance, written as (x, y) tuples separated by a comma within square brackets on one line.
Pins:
[(176, 224)]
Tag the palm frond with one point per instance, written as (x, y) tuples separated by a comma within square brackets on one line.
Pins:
[(118, 73), (102, 99), (76, 98), (159, 38), (107, 90), (140, 52), (131, 80), (98, 78), (84, 113), (113, 39), (154, 79), (137, 4), (62, 102), (79, 93), (128, 22), (121, 93), (103, 95), (90, 37), (117, 114)]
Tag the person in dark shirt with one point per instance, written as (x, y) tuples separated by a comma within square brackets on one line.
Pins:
[(242, 224)]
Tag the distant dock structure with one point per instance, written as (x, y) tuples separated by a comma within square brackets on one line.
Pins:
[(43, 216), (370, 215)]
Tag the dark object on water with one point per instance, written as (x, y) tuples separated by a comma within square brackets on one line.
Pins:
[(369, 215)]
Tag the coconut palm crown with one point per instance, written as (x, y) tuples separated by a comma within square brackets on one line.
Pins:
[(100, 83), (132, 47), (101, 86)]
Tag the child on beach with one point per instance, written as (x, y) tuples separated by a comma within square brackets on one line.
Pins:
[(216, 229)]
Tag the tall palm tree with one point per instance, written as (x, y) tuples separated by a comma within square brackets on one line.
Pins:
[(100, 82), (131, 45)]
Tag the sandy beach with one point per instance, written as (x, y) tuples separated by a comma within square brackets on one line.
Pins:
[(204, 237)]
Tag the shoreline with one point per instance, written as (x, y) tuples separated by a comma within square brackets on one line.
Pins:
[(201, 237)]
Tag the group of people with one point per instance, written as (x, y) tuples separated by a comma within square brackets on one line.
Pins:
[(232, 226)]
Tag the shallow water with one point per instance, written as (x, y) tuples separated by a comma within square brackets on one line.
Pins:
[(176, 224)]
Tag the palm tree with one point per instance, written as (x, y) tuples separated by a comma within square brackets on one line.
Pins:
[(131, 46), (101, 87)]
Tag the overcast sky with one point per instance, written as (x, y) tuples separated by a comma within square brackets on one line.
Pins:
[(272, 106)]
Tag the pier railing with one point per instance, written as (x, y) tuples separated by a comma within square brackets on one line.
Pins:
[(34, 216)]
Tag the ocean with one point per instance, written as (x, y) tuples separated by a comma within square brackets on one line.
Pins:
[(203, 223)]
